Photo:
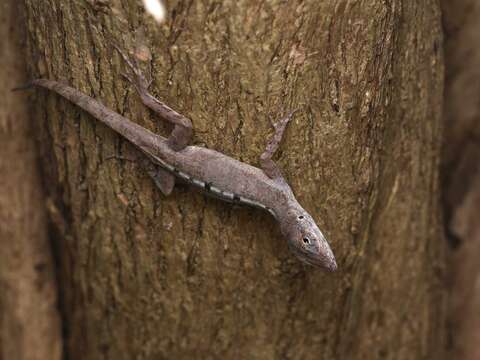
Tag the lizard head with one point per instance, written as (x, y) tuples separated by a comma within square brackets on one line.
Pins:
[(306, 240)]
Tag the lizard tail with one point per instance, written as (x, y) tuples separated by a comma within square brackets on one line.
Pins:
[(135, 133), (23, 87)]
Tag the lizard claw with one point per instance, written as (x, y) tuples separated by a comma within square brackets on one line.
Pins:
[(140, 81), (285, 120), (126, 76), (125, 57)]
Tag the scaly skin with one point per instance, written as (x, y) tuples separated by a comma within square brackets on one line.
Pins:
[(216, 173)]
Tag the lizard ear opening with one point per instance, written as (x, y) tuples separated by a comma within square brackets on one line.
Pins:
[(306, 240)]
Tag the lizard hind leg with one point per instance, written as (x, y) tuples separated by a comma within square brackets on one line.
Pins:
[(162, 179), (182, 131), (269, 167)]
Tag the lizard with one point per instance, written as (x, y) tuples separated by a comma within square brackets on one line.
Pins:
[(213, 172)]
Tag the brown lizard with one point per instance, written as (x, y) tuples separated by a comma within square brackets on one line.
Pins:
[(215, 173)]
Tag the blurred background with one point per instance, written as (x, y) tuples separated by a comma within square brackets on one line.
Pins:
[(460, 171)]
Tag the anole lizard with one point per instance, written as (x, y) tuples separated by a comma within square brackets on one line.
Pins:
[(215, 173)]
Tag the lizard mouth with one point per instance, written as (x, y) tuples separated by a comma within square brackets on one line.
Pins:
[(324, 262)]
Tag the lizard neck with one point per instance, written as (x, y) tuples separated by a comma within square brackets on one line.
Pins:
[(283, 202)]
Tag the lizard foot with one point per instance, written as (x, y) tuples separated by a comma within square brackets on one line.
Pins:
[(139, 80)]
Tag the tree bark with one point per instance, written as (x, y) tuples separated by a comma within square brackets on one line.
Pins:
[(461, 171), (29, 318), (144, 276)]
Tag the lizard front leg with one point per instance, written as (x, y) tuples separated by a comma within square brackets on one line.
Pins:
[(266, 163), (182, 132)]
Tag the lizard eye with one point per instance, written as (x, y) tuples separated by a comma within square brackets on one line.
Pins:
[(306, 240)]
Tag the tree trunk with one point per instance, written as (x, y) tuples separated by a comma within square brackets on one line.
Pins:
[(461, 170), (29, 318), (144, 276)]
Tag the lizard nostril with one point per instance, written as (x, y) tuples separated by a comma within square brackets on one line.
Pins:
[(306, 240), (300, 217)]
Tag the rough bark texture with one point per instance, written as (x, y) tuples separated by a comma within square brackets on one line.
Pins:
[(190, 277), (461, 170), (29, 320)]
